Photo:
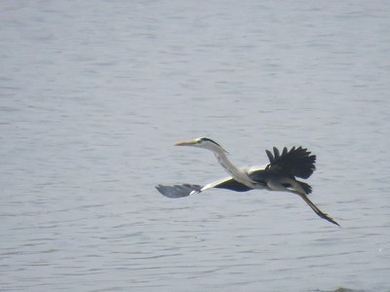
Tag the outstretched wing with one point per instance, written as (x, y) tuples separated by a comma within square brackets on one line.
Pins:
[(227, 183), (178, 191), (296, 162), (184, 190)]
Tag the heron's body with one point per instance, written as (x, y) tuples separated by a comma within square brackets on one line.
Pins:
[(279, 175)]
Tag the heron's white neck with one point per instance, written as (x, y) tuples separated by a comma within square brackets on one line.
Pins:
[(235, 172)]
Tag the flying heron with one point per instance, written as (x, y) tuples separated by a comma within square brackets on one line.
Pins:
[(278, 175)]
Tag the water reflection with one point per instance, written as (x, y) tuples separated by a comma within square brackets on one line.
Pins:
[(94, 96)]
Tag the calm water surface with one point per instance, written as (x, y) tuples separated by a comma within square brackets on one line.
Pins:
[(94, 95)]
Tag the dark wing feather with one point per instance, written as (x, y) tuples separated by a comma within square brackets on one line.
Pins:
[(178, 191), (270, 156), (297, 162), (276, 153), (233, 185)]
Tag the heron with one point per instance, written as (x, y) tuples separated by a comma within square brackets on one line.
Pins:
[(278, 175)]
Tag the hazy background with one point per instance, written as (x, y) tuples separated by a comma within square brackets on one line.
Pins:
[(93, 94)]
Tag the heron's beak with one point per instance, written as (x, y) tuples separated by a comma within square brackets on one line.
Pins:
[(186, 143)]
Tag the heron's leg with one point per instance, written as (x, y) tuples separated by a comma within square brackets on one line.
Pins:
[(316, 209)]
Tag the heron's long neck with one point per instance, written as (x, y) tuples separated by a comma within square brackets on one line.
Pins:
[(235, 172)]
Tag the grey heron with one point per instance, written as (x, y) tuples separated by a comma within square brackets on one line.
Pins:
[(278, 175)]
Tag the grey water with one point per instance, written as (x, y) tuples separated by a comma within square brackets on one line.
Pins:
[(93, 95)]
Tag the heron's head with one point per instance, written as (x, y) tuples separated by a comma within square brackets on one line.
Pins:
[(203, 142)]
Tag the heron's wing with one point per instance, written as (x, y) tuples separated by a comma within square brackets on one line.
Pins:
[(259, 175), (178, 191), (296, 162), (184, 190), (227, 183)]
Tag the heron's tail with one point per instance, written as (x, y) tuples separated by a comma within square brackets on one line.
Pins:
[(179, 191), (297, 186), (305, 187)]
